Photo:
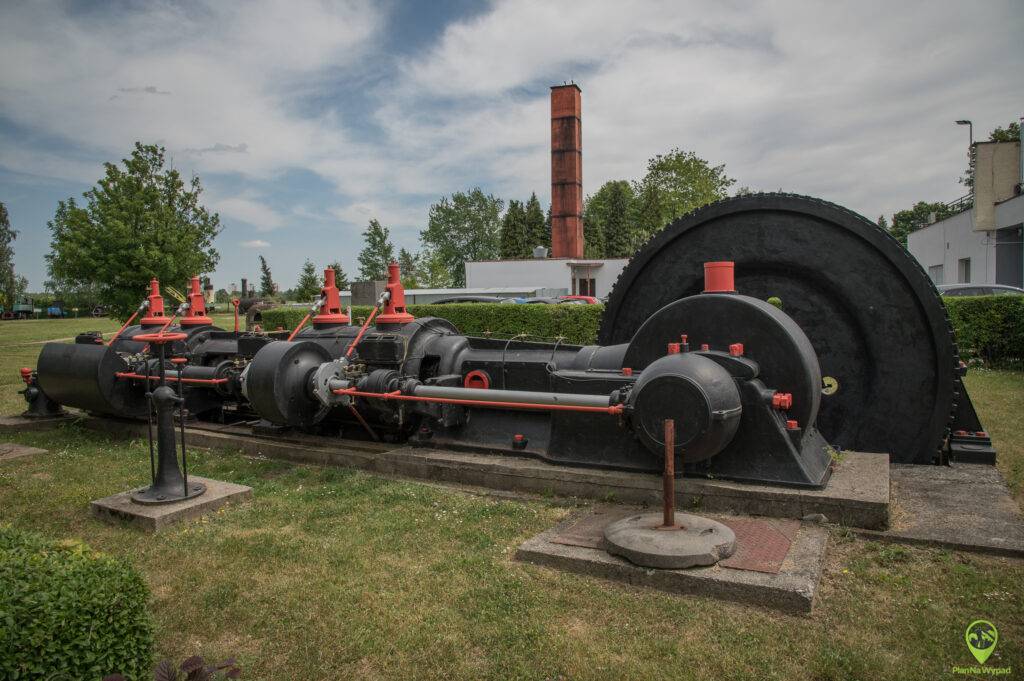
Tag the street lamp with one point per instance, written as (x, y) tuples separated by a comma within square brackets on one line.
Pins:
[(970, 129)]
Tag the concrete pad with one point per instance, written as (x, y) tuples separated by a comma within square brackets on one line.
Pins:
[(965, 507), (690, 541), (10, 450), (154, 518), (21, 424), (857, 494), (791, 590)]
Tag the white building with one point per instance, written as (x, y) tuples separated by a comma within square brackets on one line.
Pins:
[(984, 244), (566, 276)]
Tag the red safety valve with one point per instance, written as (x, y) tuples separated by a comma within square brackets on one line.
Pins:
[(673, 348), (627, 371), (782, 401), (736, 349), (792, 425)]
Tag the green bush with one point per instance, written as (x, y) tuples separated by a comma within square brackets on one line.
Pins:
[(574, 323), (68, 612), (989, 327)]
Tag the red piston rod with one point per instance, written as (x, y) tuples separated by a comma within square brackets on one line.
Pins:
[(171, 379), (489, 404)]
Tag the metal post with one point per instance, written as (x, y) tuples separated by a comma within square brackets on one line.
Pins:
[(149, 413), (181, 419), (669, 477)]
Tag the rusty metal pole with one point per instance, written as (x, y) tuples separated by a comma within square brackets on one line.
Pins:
[(669, 478)]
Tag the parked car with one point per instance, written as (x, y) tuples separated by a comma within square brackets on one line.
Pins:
[(979, 290), (468, 299), (587, 300)]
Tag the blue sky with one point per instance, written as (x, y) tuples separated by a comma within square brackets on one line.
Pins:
[(305, 119)]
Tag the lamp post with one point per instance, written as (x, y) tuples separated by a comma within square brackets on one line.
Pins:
[(970, 130)]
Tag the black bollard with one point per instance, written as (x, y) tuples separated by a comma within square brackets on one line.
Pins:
[(169, 485)]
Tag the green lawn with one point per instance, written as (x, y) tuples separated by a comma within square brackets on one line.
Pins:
[(332, 573)]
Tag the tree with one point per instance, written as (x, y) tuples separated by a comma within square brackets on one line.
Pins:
[(882, 223), (465, 227), (267, 286), (309, 284), (906, 221), (675, 184), (514, 240), (538, 229), (609, 209), (408, 264), (11, 284), (1011, 133), (377, 254), (140, 221), (222, 296), (340, 278), (434, 271)]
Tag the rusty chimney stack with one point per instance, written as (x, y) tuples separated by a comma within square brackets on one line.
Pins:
[(566, 172)]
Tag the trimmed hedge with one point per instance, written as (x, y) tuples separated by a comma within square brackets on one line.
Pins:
[(575, 323), (68, 612), (989, 327)]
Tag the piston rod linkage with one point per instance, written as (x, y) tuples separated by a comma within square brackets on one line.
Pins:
[(495, 399)]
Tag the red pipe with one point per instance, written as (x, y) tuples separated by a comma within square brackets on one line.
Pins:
[(362, 330), (130, 320), (196, 381), (616, 409), (236, 302), (299, 327)]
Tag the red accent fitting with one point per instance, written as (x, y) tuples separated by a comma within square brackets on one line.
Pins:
[(330, 309), (159, 338), (736, 349), (155, 312), (673, 348), (718, 277), (196, 315), (26, 374), (235, 302), (477, 379), (705, 347), (792, 425), (627, 371), (981, 433), (394, 310), (518, 437), (960, 432), (178, 360), (782, 401)]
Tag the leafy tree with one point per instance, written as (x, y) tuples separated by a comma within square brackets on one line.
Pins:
[(906, 221), (409, 265), (222, 296), (340, 278), (1010, 133), (309, 284), (434, 271), (609, 208), (140, 221), (267, 286), (465, 227), (377, 254), (675, 184), (11, 284), (538, 228), (882, 223), (514, 240)]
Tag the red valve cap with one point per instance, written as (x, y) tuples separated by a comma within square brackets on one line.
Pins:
[(736, 349), (792, 425), (782, 401), (673, 348), (705, 347), (627, 371)]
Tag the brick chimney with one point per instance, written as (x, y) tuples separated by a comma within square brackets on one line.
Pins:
[(566, 172)]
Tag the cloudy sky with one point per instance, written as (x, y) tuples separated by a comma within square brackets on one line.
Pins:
[(305, 119)]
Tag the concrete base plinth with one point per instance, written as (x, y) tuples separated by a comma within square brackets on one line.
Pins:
[(153, 518), (23, 424), (693, 540)]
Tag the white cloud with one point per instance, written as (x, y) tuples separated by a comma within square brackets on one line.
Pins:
[(247, 208), (255, 243)]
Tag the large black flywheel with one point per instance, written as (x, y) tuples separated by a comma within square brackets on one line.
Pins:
[(888, 358)]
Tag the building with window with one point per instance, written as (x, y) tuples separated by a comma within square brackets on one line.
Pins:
[(983, 244)]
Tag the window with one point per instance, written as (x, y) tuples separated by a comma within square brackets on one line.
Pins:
[(935, 272), (963, 271)]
